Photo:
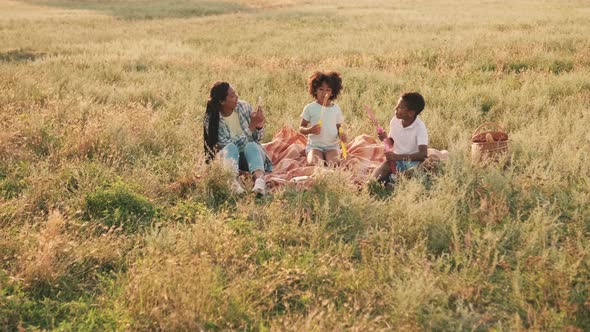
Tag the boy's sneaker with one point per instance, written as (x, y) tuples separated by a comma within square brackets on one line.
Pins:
[(259, 186), (387, 179), (236, 187)]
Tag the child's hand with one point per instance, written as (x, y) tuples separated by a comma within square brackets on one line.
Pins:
[(390, 156), (315, 129), (343, 137), (382, 135)]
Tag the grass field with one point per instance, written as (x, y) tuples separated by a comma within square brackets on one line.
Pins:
[(101, 105)]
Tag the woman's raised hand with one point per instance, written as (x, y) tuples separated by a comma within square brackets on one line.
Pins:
[(257, 118)]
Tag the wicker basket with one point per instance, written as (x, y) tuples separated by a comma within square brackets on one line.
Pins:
[(490, 144)]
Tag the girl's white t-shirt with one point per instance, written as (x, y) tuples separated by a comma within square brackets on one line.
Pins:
[(331, 117)]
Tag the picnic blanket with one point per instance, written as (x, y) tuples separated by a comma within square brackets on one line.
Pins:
[(287, 152)]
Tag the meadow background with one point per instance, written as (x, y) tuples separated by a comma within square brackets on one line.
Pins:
[(101, 105)]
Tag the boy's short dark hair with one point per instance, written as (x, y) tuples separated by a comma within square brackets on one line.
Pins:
[(333, 79), (414, 101)]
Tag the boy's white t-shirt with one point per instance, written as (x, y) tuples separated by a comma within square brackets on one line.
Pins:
[(331, 117), (406, 140)]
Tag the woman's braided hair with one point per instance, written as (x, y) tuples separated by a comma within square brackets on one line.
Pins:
[(217, 94)]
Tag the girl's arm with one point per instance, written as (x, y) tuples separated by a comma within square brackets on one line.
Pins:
[(306, 130), (341, 135), (303, 127)]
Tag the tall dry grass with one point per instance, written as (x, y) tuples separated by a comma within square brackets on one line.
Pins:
[(101, 106)]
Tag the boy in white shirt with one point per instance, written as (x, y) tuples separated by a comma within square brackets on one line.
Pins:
[(407, 135)]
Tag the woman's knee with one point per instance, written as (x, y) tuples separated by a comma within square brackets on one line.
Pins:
[(252, 149), (229, 150), (251, 146), (229, 157)]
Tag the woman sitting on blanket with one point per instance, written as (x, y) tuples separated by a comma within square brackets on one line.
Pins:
[(233, 130)]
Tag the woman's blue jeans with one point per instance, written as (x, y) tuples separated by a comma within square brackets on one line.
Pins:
[(252, 153)]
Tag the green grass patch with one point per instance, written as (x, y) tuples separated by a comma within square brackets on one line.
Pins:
[(148, 10), (439, 238), (11, 188), (84, 313), (561, 66), (20, 55), (118, 205), (101, 109)]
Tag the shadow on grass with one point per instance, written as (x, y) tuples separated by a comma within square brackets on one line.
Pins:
[(145, 9), (20, 55)]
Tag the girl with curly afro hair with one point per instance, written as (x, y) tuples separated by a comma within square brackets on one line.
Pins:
[(322, 118)]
